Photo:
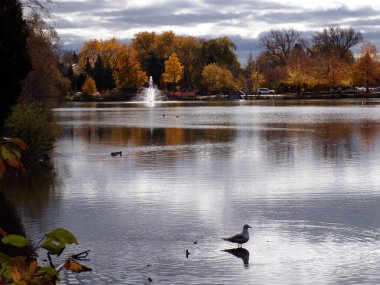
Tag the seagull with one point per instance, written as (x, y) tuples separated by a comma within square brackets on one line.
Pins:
[(240, 238)]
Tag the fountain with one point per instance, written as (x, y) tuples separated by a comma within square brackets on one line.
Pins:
[(150, 94)]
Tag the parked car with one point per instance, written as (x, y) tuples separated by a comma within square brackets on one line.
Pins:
[(265, 91), (359, 89)]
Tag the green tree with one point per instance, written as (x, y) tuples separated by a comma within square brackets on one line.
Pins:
[(15, 61), (222, 52)]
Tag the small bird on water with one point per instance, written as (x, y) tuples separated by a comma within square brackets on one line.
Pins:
[(240, 238)]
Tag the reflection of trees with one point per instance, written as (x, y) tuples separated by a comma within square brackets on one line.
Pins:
[(122, 136), (10, 222), (33, 191), (369, 132), (328, 140)]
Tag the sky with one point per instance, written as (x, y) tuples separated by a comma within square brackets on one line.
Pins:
[(243, 21)]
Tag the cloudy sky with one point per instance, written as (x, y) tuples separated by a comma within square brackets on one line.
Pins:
[(244, 21)]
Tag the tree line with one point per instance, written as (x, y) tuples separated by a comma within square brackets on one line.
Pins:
[(288, 62)]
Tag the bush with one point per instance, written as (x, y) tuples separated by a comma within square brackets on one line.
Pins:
[(32, 124)]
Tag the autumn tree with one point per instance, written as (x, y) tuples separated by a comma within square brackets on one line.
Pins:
[(366, 68), (14, 56), (173, 70), (45, 84), (217, 79), (331, 70), (257, 79), (128, 74), (144, 43), (299, 70), (89, 53), (89, 87), (188, 49)]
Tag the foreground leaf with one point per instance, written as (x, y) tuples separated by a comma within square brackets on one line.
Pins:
[(16, 275), (57, 240), (2, 168), (63, 235), (15, 240), (20, 143), (76, 267), (3, 258)]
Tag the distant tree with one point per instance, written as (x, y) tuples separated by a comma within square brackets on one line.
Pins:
[(129, 74), (15, 60), (366, 69), (335, 38), (280, 43), (102, 76), (173, 69), (257, 80), (217, 79), (89, 86), (299, 71), (154, 66), (188, 49), (222, 52), (144, 43)]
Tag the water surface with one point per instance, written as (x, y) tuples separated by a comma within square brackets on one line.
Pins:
[(304, 174)]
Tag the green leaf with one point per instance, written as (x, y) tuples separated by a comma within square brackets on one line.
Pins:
[(49, 271), (56, 241), (63, 235), (3, 257), (15, 240), (54, 246)]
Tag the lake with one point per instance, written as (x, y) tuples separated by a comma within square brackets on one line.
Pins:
[(304, 174)]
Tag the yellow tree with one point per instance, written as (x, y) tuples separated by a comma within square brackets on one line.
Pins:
[(299, 71), (89, 86), (144, 43), (129, 74), (173, 69), (89, 52), (109, 51), (217, 79), (331, 70), (367, 67), (257, 79)]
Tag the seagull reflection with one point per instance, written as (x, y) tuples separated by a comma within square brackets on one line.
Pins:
[(240, 253)]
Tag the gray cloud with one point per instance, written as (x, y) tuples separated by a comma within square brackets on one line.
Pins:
[(241, 17)]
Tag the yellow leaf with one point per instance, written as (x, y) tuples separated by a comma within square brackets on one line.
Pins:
[(9, 157), (16, 274), (75, 266), (33, 267)]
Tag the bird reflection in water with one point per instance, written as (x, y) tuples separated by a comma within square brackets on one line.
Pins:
[(240, 253)]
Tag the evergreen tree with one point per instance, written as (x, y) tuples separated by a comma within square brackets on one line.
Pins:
[(15, 61), (102, 75)]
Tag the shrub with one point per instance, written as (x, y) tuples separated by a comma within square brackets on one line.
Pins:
[(32, 124)]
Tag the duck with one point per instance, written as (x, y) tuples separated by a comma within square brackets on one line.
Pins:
[(240, 238)]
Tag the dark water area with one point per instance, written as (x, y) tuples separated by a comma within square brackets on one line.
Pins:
[(304, 174)]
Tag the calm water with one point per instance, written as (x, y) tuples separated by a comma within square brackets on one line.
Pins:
[(305, 176)]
